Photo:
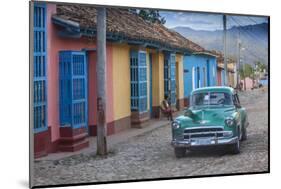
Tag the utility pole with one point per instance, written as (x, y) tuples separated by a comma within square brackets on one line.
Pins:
[(244, 76), (224, 50), (101, 78), (238, 59)]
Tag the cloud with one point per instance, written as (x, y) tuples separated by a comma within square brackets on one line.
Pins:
[(204, 21), (197, 20)]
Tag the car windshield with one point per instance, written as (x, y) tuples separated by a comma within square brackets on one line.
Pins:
[(211, 98)]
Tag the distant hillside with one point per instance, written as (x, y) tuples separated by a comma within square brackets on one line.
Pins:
[(253, 39)]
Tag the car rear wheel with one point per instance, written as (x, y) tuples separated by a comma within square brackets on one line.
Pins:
[(180, 152), (244, 133)]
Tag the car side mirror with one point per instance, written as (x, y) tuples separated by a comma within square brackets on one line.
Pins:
[(188, 113)]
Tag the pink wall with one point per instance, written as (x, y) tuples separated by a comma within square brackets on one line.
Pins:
[(56, 44), (53, 102), (219, 77), (92, 95), (92, 98), (249, 83)]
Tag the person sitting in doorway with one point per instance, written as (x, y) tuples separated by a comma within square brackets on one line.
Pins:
[(166, 108)]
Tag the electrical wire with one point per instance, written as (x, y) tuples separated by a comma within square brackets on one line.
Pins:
[(257, 39)]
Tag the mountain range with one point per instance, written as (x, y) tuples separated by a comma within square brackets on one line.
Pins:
[(253, 40)]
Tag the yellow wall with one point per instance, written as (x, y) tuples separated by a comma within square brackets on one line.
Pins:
[(231, 75), (231, 65), (157, 78), (231, 79), (179, 76), (121, 81)]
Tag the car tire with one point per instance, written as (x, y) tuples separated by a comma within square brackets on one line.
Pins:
[(244, 133), (180, 152), (235, 148)]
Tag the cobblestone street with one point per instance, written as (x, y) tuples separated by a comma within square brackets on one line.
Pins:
[(150, 155)]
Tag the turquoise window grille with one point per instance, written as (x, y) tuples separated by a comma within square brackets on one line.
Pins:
[(173, 79), (138, 81), (73, 89), (170, 76), (39, 68), (198, 77)]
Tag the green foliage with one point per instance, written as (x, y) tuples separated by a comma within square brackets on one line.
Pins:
[(241, 73), (152, 16), (247, 71), (260, 67)]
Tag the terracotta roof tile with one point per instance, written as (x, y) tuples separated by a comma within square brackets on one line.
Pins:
[(122, 22)]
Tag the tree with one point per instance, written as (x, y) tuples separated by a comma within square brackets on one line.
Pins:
[(152, 16), (260, 68), (247, 71)]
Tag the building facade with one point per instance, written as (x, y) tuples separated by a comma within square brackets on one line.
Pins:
[(231, 71), (200, 70), (144, 62)]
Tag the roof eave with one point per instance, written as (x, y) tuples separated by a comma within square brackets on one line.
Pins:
[(204, 53), (66, 23), (75, 27)]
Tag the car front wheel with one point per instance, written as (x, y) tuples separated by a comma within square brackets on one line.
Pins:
[(180, 152), (235, 148)]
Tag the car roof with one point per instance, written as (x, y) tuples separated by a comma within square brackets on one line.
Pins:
[(214, 89)]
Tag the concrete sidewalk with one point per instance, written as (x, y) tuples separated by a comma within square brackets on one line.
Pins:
[(112, 139)]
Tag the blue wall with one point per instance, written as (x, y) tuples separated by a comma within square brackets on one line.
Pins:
[(223, 77), (194, 62)]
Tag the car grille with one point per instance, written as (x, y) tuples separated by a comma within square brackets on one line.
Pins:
[(201, 132)]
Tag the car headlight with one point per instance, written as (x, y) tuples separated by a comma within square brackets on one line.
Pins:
[(175, 125), (229, 121)]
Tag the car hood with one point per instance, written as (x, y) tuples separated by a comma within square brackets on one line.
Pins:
[(206, 116)]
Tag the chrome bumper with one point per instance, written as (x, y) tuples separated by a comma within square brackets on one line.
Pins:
[(203, 142)]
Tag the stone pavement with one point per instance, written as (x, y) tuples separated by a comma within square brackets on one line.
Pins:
[(112, 139), (149, 154)]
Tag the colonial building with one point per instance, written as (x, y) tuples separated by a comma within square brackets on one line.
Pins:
[(231, 70), (144, 62), (199, 71)]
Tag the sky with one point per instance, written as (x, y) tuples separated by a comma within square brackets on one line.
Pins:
[(206, 21)]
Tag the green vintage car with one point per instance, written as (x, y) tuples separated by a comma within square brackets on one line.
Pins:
[(215, 117)]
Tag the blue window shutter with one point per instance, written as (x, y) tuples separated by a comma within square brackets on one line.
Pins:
[(142, 81), (40, 68), (65, 87), (173, 79), (73, 89), (198, 77), (134, 80), (167, 76), (170, 76), (138, 81)]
